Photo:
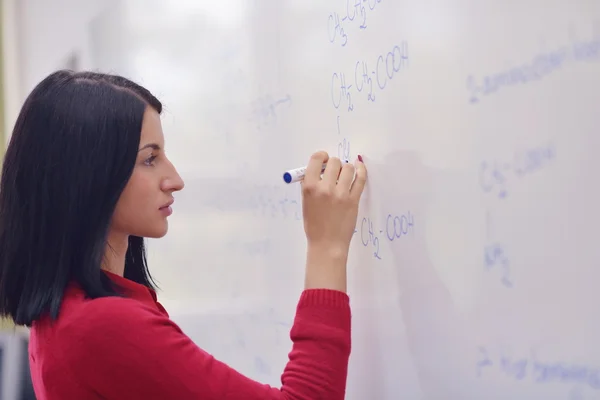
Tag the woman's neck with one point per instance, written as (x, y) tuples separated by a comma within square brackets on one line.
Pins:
[(114, 253)]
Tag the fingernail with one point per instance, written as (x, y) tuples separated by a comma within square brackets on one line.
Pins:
[(360, 158)]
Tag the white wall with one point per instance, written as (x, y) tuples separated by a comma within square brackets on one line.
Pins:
[(45, 35), (11, 64)]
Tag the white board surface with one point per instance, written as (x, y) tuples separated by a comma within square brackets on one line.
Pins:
[(474, 268)]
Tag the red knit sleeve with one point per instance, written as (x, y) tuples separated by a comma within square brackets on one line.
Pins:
[(138, 353)]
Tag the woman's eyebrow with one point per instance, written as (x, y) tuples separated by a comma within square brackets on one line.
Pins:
[(153, 146)]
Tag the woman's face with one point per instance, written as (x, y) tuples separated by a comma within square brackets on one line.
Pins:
[(145, 203)]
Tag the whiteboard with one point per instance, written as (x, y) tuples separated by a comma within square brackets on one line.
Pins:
[(473, 271)]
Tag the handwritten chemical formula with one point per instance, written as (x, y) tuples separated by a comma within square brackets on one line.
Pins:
[(276, 202), (343, 147), (367, 78), (265, 110), (396, 227), (356, 12), (496, 175), (495, 258)]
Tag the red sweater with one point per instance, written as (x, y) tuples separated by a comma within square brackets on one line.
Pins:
[(128, 348)]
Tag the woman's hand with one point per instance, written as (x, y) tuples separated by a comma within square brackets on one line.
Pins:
[(330, 208)]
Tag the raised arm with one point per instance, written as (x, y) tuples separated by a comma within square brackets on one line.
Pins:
[(144, 355)]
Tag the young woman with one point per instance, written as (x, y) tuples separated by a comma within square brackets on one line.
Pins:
[(85, 179)]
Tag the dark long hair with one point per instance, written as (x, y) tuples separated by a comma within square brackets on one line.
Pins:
[(71, 153)]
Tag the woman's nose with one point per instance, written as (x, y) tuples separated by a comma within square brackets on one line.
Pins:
[(172, 182)]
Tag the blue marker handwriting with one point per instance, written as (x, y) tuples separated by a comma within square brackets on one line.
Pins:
[(277, 202), (264, 110), (540, 66), (533, 370), (495, 175), (367, 78), (264, 201), (369, 236), (355, 13), (396, 226), (495, 258), (343, 147)]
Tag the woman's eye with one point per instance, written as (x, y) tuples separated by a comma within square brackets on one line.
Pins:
[(150, 160)]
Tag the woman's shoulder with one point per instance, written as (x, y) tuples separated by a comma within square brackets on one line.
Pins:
[(84, 317), (111, 326), (92, 335), (107, 313)]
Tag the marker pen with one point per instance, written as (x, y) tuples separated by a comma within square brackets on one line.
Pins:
[(295, 175)]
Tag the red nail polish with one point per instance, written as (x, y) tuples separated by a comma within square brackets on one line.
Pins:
[(360, 158)]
